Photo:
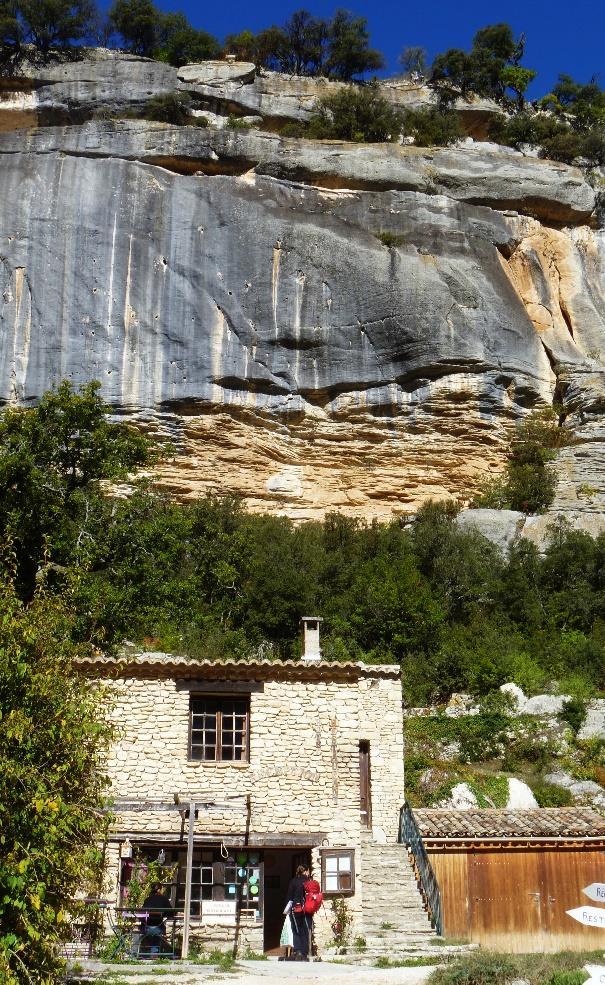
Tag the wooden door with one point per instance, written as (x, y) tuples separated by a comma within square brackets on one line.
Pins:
[(365, 788), (506, 901)]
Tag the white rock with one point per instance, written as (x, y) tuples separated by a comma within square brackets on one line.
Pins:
[(501, 527), (545, 704), (520, 796), (594, 723), (516, 693), (461, 798)]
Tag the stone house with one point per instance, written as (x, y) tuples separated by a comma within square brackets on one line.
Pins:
[(285, 762)]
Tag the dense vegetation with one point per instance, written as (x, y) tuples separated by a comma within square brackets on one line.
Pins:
[(52, 740), (208, 578)]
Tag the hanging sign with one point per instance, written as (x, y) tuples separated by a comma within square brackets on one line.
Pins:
[(590, 916), (595, 891)]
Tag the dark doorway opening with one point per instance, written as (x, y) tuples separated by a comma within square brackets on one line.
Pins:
[(280, 866), (365, 785)]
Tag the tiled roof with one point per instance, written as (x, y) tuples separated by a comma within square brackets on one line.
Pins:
[(484, 825), (170, 665)]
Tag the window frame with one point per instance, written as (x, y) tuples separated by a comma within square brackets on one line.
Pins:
[(326, 853), (220, 696)]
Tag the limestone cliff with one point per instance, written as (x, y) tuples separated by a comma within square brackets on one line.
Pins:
[(231, 290)]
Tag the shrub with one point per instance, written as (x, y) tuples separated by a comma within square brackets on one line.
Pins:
[(359, 113), (435, 127), (341, 921), (173, 107), (574, 713), (237, 123), (549, 795), (391, 240)]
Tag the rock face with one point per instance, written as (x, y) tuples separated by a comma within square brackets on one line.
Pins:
[(232, 290)]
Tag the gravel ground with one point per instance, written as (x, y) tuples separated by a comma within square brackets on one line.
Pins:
[(257, 973)]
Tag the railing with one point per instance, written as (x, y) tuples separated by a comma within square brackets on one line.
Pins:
[(410, 835)]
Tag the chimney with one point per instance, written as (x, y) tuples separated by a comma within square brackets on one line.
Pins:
[(311, 649)]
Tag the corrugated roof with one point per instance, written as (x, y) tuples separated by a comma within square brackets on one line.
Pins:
[(168, 664), (488, 824)]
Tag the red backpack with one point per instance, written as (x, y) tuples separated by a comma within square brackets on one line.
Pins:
[(313, 896)]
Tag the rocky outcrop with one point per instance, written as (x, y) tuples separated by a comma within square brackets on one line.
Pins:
[(553, 192), (313, 325)]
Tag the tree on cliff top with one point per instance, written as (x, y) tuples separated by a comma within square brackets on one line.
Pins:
[(52, 742), (150, 32), (489, 69), (50, 459), (55, 23)]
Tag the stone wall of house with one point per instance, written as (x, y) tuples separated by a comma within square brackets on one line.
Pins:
[(303, 773)]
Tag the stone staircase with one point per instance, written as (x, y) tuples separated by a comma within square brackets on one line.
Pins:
[(395, 920)]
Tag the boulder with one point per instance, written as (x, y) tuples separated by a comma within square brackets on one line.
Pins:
[(594, 723), (461, 798), (583, 791), (520, 796), (516, 694), (501, 527)]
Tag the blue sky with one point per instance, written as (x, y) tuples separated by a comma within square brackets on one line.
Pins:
[(561, 37)]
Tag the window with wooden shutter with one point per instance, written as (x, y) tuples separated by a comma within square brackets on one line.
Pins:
[(219, 728), (338, 871)]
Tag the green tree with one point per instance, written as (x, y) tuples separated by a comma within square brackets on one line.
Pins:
[(11, 37), (50, 459), (349, 53), (178, 43), (359, 113), (487, 69), (434, 127), (137, 21), (528, 484), (55, 23), (52, 743), (413, 60)]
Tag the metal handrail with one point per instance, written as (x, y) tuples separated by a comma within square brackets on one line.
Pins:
[(410, 835)]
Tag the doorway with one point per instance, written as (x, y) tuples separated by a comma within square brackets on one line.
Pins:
[(365, 785), (280, 867)]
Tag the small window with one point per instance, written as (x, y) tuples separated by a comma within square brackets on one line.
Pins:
[(338, 872), (219, 729)]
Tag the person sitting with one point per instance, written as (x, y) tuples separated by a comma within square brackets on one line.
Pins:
[(158, 907)]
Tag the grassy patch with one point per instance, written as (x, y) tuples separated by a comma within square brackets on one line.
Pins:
[(488, 968), (409, 962)]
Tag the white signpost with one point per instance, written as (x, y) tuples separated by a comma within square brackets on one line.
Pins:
[(597, 974), (590, 916), (595, 891)]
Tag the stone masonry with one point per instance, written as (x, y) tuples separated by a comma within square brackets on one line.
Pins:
[(302, 778)]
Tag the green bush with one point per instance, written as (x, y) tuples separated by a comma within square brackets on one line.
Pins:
[(358, 113), (435, 127), (574, 713), (549, 795), (237, 123), (173, 107), (392, 240)]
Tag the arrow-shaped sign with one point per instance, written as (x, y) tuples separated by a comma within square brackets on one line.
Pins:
[(597, 974), (595, 891), (590, 916)]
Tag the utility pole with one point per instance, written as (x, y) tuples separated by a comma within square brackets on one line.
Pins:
[(187, 914)]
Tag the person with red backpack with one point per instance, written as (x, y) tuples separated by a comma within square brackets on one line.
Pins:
[(304, 900)]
